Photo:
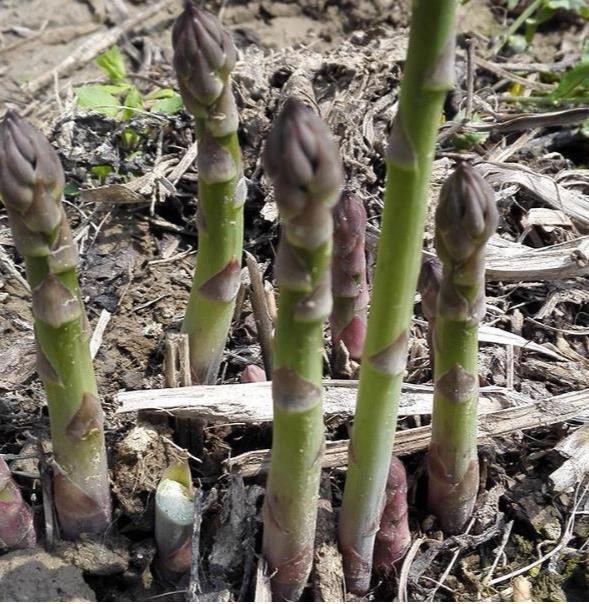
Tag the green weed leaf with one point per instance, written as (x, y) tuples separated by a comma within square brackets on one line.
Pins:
[(133, 100), (97, 98), (112, 64), (572, 81)]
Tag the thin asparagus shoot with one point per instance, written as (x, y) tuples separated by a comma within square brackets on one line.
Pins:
[(31, 187), (466, 217), (349, 283), (429, 72), (251, 374), (429, 288), (304, 165), (393, 537), (174, 508), (16, 519), (204, 56)]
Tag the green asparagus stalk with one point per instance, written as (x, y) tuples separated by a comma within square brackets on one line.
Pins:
[(466, 217), (204, 56), (174, 509), (31, 187), (393, 537), (349, 284), (303, 162), (16, 520), (429, 72)]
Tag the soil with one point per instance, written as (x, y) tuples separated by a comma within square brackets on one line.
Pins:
[(137, 235)]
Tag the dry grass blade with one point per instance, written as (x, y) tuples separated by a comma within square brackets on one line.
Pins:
[(544, 187), (252, 403)]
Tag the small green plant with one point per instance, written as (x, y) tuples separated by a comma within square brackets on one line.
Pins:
[(535, 14), (119, 98)]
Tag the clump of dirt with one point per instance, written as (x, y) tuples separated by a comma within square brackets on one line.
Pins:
[(138, 463), (35, 575)]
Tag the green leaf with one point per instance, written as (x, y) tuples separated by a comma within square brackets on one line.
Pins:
[(574, 5), (112, 64), (161, 93), (101, 171), (572, 80), (133, 100), (97, 98), (170, 105), (71, 189), (130, 138), (466, 139)]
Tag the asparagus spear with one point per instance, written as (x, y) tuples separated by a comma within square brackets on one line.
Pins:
[(393, 537), (251, 374), (16, 520), (466, 217), (429, 71), (174, 503), (204, 56), (429, 287), (349, 284), (303, 162), (31, 187)]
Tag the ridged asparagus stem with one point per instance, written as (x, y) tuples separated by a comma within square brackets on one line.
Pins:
[(174, 509), (31, 186), (466, 217), (393, 537), (303, 162), (349, 285), (204, 56), (429, 72), (16, 520)]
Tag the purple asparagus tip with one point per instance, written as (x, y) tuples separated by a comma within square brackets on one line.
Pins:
[(204, 55)]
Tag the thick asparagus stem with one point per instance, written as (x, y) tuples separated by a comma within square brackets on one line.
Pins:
[(204, 56), (303, 162), (31, 187), (349, 284), (174, 503), (16, 520), (428, 76), (466, 217), (393, 537)]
